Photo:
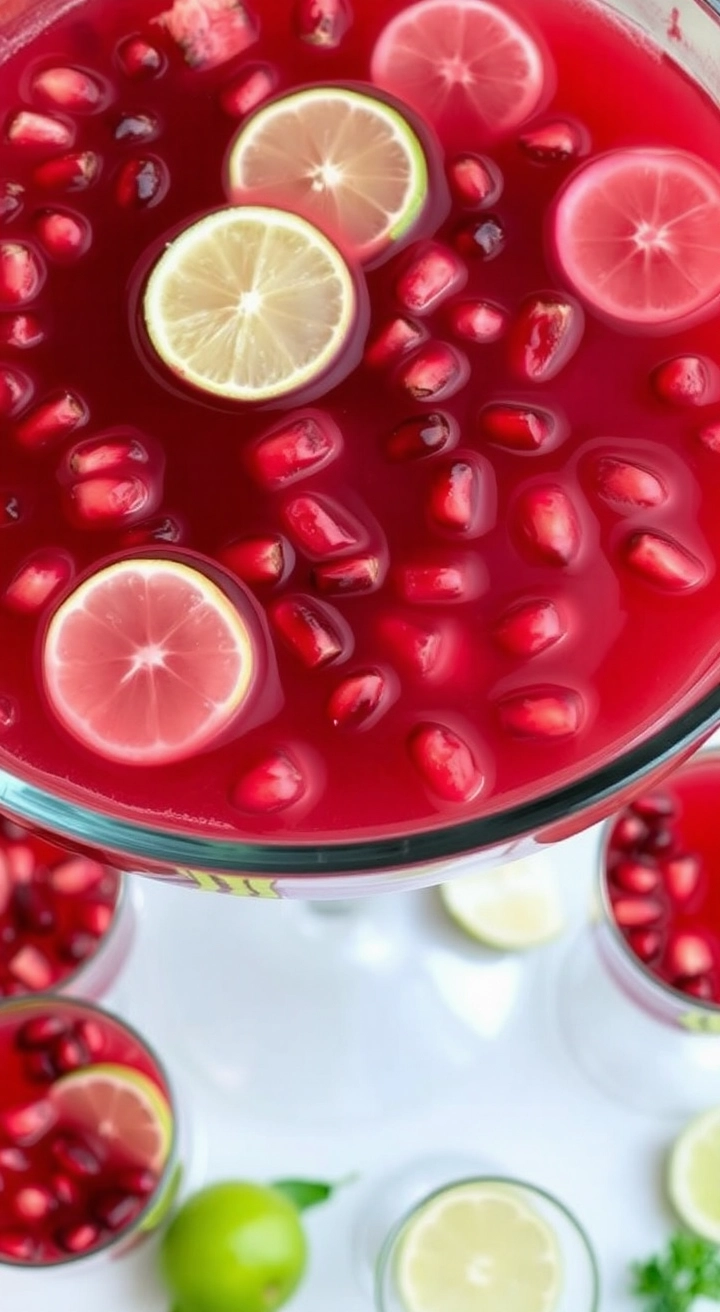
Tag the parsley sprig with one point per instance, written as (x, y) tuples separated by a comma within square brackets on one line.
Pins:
[(688, 1269)]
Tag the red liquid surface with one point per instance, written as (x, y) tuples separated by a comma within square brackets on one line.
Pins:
[(55, 910), (66, 1191), (663, 871), (455, 710)]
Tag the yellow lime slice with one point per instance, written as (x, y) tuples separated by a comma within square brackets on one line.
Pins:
[(122, 1107), (509, 907), (478, 1248), (348, 162), (250, 304), (694, 1175)]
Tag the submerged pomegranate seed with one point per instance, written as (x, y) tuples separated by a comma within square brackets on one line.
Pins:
[(627, 484), (634, 877), (394, 339), (322, 22), (142, 183), (316, 634), (26, 128), (69, 173), (258, 560), (69, 88), (32, 968), (698, 987), (436, 371), (74, 1156), (479, 321), (163, 529), (545, 337), (70, 1054), (456, 493), (33, 908), (272, 785), (423, 435), (529, 628), (646, 944), (66, 1190), (37, 580), (52, 420), (133, 129), (91, 1035), (681, 875), (664, 562), (356, 574), (12, 198), (76, 875), (458, 580), (63, 236), (299, 448), (25, 1125), (710, 437), (116, 1210), (78, 1238), (432, 275), (249, 90), (40, 1067), (555, 142), (484, 240), (423, 650), (636, 912), (98, 455), (40, 1031), (34, 1203), (14, 1159), (77, 947), (320, 526), (95, 918), (659, 841), (446, 763), (475, 181), (138, 59), (548, 524), (21, 331), (517, 427), (688, 380), (22, 274), (689, 954), (8, 713), (630, 831), (19, 1245), (542, 713), (359, 700), (109, 502), (654, 806), (212, 34), (15, 391), (138, 1180)]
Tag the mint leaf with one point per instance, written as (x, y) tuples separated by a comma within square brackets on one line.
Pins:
[(308, 1193), (672, 1281)]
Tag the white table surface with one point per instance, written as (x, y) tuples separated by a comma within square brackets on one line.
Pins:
[(519, 1100)]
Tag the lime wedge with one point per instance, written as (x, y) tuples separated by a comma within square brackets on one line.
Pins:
[(693, 1178), (509, 907), (122, 1107)]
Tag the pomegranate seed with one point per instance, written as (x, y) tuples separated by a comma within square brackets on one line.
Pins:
[(40, 1032), (660, 841), (116, 1210), (688, 380), (134, 129), (553, 143), (78, 874), (248, 91), (700, 987), (166, 528), (432, 275), (529, 628), (548, 524), (63, 236), (8, 713), (682, 876), (97, 456), (342, 577), (15, 391), (446, 763), (21, 331), (394, 339), (272, 785), (78, 1238), (627, 484), (70, 1054), (634, 877), (22, 274), (320, 526), (420, 584), (435, 372), (25, 1125), (545, 337), (19, 1245), (38, 579), (475, 181), (74, 1156), (484, 240), (654, 806), (142, 183), (107, 502), (710, 437), (69, 173), (138, 1180), (423, 435), (299, 448), (646, 944), (10, 509), (91, 1035), (210, 35), (517, 427), (542, 713), (479, 321), (455, 502), (66, 1190), (314, 633), (27, 128), (636, 912), (664, 562), (422, 650), (52, 420), (689, 954), (258, 560), (12, 197), (31, 967), (33, 909), (322, 22), (359, 701), (77, 947), (34, 1203), (95, 918), (138, 59), (14, 1159), (69, 88), (630, 831)]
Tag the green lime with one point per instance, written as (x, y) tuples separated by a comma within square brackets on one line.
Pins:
[(234, 1247)]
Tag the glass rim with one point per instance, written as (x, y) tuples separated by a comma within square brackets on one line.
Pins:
[(44, 1001), (388, 1248)]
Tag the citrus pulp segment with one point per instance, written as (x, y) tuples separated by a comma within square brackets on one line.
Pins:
[(508, 907), (636, 233), (250, 304), (147, 661), (122, 1107), (694, 1175), (348, 162), (457, 57), (479, 1247)]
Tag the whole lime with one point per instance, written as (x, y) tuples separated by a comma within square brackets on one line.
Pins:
[(234, 1247)]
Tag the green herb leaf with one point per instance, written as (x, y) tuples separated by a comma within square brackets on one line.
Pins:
[(671, 1281), (309, 1193)]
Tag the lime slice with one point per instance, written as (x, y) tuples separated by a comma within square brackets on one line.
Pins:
[(250, 304), (509, 907), (147, 662), (122, 1107), (348, 162), (478, 1248), (694, 1175)]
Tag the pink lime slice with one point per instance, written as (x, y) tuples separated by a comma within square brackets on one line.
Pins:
[(454, 58), (147, 662), (636, 234)]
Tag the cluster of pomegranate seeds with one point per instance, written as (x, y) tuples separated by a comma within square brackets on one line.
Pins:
[(55, 909), (658, 892)]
